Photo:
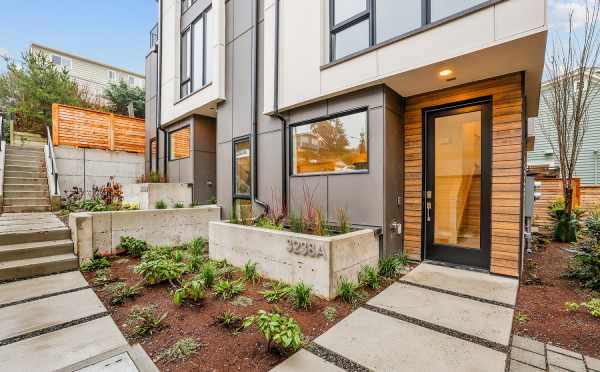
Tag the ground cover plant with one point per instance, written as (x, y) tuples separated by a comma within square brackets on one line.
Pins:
[(277, 329), (145, 320), (120, 292), (95, 263), (133, 246), (180, 350)]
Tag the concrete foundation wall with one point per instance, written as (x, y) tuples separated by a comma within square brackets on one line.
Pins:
[(147, 194), (293, 258), (86, 168), (100, 232)]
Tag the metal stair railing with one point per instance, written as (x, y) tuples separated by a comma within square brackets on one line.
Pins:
[(52, 161)]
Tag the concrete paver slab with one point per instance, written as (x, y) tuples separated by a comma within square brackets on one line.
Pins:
[(566, 362), (516, 366), (529, 344), (383, 343), (61, 348), (592, 363), (471, 283), (475, 318), (528, 357), (560, 350), (305, 361), (32, 316), (24, 289)]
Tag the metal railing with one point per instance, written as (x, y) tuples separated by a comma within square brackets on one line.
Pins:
[(1, 130), (52, 158), (153, 36)]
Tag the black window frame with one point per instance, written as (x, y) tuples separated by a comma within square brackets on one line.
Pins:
[(191, 52), (170, 133), (370, 14), (184, 8), (235, 195), (291, 153)]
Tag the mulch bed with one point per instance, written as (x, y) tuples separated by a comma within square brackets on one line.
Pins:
[(221, 350), (544, 304)]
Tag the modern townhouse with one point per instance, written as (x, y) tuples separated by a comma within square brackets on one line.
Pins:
[(91, 75), (411, 115)]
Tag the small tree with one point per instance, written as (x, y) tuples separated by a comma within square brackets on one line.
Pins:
[(570, 70), (120, 95)]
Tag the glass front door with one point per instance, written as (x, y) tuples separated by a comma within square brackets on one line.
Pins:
[(457, 185)]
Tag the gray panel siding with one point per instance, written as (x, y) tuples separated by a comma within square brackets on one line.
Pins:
[(588, 165)]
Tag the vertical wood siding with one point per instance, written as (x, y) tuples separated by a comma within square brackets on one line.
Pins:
[(507, 166)]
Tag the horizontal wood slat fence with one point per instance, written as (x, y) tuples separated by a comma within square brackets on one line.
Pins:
[(79, 127)]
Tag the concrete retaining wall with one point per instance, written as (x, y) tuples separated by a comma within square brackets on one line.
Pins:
[(100, 232), (292, 258), (147, 194), (87, 168)]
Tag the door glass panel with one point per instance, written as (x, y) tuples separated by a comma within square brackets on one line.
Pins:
[(457, 187)]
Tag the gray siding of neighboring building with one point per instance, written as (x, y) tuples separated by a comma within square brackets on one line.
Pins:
[(588, 165)]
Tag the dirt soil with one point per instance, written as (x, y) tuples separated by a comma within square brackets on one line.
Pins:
[(544, 305), (221, 350)]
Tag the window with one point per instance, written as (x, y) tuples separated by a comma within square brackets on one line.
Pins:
[(242, 168), (131, 81), (338, 144), (186, 4), (153, 152), (197, 54), (112, 76), (61, 61), (356, 25), (179, 144)]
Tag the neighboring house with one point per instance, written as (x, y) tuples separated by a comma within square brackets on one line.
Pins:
[(587, 167), (419, 107), (93, 76)]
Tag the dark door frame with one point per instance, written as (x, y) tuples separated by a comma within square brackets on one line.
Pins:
[(449, 253)]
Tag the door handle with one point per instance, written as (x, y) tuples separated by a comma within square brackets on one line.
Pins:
[(428, 209)]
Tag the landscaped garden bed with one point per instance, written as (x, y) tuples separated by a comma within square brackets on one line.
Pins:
[(212, 321)]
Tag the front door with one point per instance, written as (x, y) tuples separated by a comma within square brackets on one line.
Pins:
[(457, 185)]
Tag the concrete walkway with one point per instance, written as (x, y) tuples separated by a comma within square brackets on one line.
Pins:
[(434, 319)]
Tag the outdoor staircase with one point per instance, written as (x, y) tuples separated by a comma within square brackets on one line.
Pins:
[(25, 180), (34, 244)]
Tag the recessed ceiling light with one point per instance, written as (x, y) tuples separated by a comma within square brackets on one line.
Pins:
[(446, 72)]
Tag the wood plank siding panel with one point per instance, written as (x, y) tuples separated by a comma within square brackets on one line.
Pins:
[(507, 165)]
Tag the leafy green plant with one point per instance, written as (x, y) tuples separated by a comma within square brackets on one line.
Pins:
[(267, 223), (277, 329), (225, 270), (207, 274), (343, 221), (585, 267), (191, 290), (178, 255), (521, 317), (299, 294), (565, 226), (276, 292), (103, 276), (152, 177), (197, 247), (179, 205), (250, 273), (94, 264), (572, 306), (350, 292), (592, 224), (296, 223), (160, 204), (133, 246), (160, 270), (369, 277), (180, 350), (229, 320), (144, 320), (157, 253), (392, 266), (593, 307), (227, 289), (120, 292), (195, 264), (330, 313)]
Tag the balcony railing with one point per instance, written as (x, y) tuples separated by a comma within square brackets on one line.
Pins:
[(153, 36)]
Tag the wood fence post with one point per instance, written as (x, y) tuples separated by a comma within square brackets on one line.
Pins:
[(111, 132), (55, 125)]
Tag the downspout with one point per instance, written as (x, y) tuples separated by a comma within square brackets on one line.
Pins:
[(254, 104), (159, 96), (277, 115)]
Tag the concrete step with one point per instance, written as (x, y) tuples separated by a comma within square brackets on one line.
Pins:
[(25, 148), (25, 181), (22, 186), (8, 202), (19, 168), (31, 267), (25, 153), (26, 208), (26, 157), (21, 163), (35, 235), (25, 174), (25, 193), (21, 290), (33, 250)]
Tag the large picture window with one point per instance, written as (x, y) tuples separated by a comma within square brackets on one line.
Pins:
[(196, 52), (356, 25), (179, 144), (338, 144)]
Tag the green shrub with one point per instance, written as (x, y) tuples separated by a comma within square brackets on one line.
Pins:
[(103, 276), (565, 226), (572, 306), (227, 289), (300, 296), (195, 264), (207, 274), (178, 255), (160, 270), (229, 320), (133, 246), (267, 223), (277, 329), (120, 292), (158, 253), (592, 225), (250, 273), (180, 350), (391, 267), (191, 290), (197, 247), (585, 267), (276, 292), (593, 307), (94, 264), (160, 204), (330, 313), (179, 205), (350, 292), (144, 320), (369, 277)]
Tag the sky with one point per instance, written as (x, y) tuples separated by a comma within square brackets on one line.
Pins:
[(115, 32)]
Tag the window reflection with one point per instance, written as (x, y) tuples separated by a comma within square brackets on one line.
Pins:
[(443, 8), (242, 167)]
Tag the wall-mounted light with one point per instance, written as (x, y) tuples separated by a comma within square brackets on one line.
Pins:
[(445, 73)]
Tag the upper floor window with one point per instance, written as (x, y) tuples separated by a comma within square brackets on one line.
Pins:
[(186, 4), (196, 54), (112, 76), (131, 81), (358, 24), (61, 61), (338, 144)]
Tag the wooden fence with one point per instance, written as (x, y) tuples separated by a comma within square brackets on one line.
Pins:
[(78, 127)]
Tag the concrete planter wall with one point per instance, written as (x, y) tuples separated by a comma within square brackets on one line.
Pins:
[(292, 258), (100, 232), (147, 194)]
